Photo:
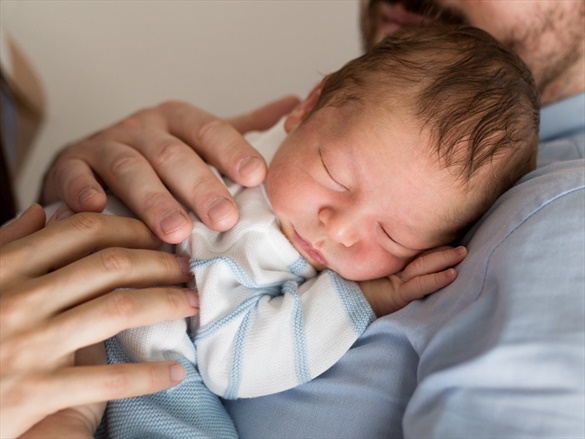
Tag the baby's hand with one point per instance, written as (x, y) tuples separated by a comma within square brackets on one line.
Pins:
[(426, 274)]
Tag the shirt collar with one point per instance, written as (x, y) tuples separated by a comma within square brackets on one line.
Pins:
[(563, 118)]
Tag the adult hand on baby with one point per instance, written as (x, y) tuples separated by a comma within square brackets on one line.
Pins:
[(426, 274), (57, 297), (162, 149), (80, 422)]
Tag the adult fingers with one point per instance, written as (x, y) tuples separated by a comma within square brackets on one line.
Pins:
[(117, 311), (216, 141), (435, 260), (106, 270), (123, 157), (127, 169), (88, 384), (76, 386), (187, 176), (57, 338), (71, 179), (266, 116), (71, 239), (30, 221)]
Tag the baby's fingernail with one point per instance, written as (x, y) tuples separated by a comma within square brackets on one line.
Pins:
[(250, 166), (461, 250), (219, 209), (172, 220), (177, 373)]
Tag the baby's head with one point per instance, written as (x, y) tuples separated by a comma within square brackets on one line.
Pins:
[(403, 148)]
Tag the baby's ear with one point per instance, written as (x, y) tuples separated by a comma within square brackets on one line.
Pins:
[(301, 111)]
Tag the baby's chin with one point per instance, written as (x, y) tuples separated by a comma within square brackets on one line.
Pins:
[(315, 265)]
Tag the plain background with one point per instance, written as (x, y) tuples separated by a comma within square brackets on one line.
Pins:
[(99, 61)]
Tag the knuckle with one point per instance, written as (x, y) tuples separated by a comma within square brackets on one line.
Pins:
[(19, 352), (121, 305), (11, 311), (206, 132), (9, 354), (87, 223), (172, 300), (126, 162), (152, 201), (117, 382), (167, 261), (131, 123), (172, 105), (57, 179), (418, 285), (167, 152), (205, 186), (419, 264), (116, 259), (20, 393)]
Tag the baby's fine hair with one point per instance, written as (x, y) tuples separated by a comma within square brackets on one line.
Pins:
[(475, 97)]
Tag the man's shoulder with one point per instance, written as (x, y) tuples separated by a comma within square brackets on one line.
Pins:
[(531, 195), (511, 333)]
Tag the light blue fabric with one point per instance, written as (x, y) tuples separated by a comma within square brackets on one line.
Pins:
[(189, 410), (499, 353), (563, 119)]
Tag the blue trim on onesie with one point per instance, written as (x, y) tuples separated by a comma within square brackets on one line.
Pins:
[(301, 364), (355, 304), (245, 306), (299, 267), (237, 360)]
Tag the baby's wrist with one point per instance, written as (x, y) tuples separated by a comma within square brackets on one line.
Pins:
[(379, 294)]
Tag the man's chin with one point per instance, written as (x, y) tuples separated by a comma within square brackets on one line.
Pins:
[(381, 18), (385, 18)]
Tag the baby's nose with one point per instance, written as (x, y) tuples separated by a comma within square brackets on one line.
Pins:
[(340, 226)]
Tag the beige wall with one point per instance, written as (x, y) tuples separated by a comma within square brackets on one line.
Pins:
[(101, 60)]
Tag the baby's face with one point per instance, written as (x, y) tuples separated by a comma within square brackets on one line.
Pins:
[(357, 194)]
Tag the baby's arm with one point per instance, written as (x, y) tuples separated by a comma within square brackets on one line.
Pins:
[(426, 274)]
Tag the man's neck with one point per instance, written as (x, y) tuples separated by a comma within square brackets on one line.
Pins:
[(570, 83)]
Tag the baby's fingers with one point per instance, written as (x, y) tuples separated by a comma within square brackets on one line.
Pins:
[(421, 286), (434, 261)]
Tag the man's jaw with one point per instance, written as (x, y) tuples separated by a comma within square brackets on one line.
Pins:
[(384, 17)]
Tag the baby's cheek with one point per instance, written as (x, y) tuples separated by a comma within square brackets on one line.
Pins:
[(367, 267)]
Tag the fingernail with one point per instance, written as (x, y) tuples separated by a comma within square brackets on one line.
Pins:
[(177, 373), (250, 166), (61, 213), (219, 209), (192, 297), (461, 250), (86, 194), (172, 220), (185, 264)]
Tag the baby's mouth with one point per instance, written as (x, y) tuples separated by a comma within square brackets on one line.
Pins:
[(314, 256)]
